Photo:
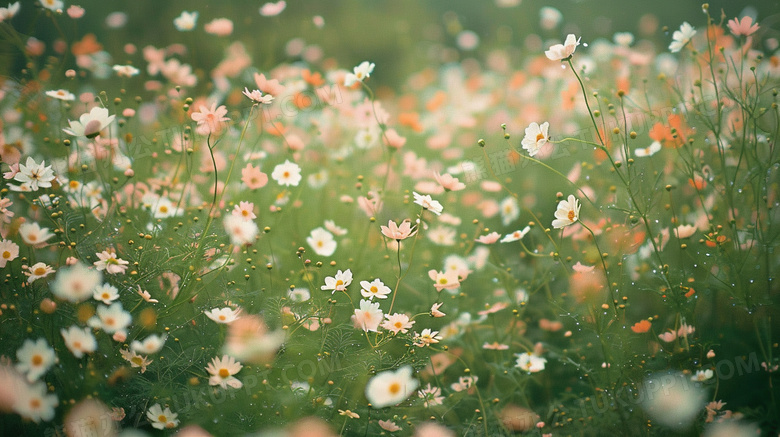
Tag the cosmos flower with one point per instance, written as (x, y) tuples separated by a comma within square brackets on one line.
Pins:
[(361, 72), (536, 136), (339, 282), (322, 242), (221, 371), (35, 175), (681, 37), (389, 388), (162, 418), (90, 124), (560, 52), (398, 233), (568, 212), (186, 21)]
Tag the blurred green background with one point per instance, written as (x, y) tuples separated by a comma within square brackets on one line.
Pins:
[(400, 36)]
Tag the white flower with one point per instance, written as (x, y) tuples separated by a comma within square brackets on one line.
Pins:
[(223, 315), (287, 174), (257, 96), (368, 316), (161, 419), (516, 235), (111, 318), (35, 175), (322, 242), (650, 150), (37, 271), (702, 375), (80, 341), (530, 363), (681, 37), (426, 338), (563, 51), (623, 39), (35, 403), (375, 288), (186, 21), (389, 388), (61, 94), (361, 72), (125, 70), (33, 234), (567, 213), (671, 399), (9, 251), (150, 345), (536, 136), (397, 323), (340, 282), (52, 5), (428, 203), (90, 124), (108, 261), (222, 371), (9, 12), (105, 293), (35, 358), (331, 226), (240, 231), (510, 210), (76, 283)]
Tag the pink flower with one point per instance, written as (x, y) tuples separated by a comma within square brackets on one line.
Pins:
[(448, 182), (398, 233), (496, 346), (393, 140), (744, 27), (219, 27), (435, 310), (210, 120), (257, 96), (245, 210), (268, 86), (489, 238), (444, 280), (370, 206), (75, 12), (668, 337), (253, 178), (272, 9)]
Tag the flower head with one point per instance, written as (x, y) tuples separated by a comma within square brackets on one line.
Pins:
[(322, 242), (186, 21), (162, 418), (35, 358), (339, 282), (562, 52), (108, 261), (222, 371), (210, 120), (389, 388), (743, 27), (568, 212), (368, 316), (395, 232), (375, 288), (223, 315), (536, 136), (287, 174), (681, 37), (257, 96), (90, 124), (362, 71), (529, 362), (428, 203), (35, 175)]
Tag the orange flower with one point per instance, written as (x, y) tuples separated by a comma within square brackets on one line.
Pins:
[(87, 45), (642, 326), (313, 79)]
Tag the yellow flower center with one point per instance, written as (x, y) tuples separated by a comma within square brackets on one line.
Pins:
[(37, 360), (571, 215), (224, 373), (394, 388), (539, 137), (162, 418), (373, 289), (39, 271), (6, 254)]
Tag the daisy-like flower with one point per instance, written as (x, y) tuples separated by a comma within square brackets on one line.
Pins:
[(33, 234), (681, 37), (125, 70), (361, 72), (536, 136), (64, 95), (464, 383), (35, 175), (743, 27), (389, 425), (79, 341), (135, 360), (390, 388), (374, 289), (426, 338), (448, 182), (253, 178), (150, 345), (428, 203), (331, 226), (562, 52), (76, 283), (9, 12), (5, 214), (650, 150), (568, 212), (245, 210), (146, 296), (108, 261), (210, 120), (186, 21), (397, 323), (287, 174), (257, 96), (435, 310), (516, 235), (530, 363), (431, 396), (111, 318), (52, 5), (702, 375), (9, 251), (339, 282), (35, 358), (368, 316), (444, 280), (489, 238), (35, 403), (242, 232), (510, 211), (162, 419), (105, 293), (90, 124), (398, 233), (37, 271), (322, 242), (223, 315), (222, 371)]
